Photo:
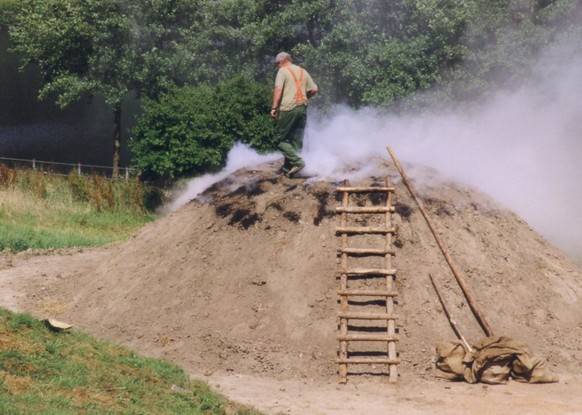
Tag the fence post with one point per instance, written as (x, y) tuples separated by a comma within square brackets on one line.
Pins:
[(79, 169), (34, 164)]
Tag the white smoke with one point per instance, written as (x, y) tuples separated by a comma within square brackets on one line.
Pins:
[(239, 156), (523, 148)]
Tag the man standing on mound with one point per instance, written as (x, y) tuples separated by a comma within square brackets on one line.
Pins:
[(293, 88)]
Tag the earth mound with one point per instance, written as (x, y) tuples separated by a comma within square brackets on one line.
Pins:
[(243, 279)]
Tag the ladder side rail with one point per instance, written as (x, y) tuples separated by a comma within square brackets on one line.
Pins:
[(391, 328), (343, 349)]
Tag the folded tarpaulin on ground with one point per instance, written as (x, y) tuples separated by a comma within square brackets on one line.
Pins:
[(493, 361)]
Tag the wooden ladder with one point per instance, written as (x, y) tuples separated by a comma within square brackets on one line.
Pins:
[(366, 280)]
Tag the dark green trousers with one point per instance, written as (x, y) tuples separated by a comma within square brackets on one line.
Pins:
[(289, 130)]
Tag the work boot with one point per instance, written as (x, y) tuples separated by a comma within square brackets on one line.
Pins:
[(295, 169)]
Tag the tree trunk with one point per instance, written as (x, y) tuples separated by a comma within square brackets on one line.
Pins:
[(116, 139)]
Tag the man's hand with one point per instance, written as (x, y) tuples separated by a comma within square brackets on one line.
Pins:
[(311, 93), (277, 94)]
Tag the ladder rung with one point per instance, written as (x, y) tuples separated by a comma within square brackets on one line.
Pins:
[(364, 189), (368, 271), (367, 337), (365, 251), (367, 316), (363, 229), (361, 293), (364, 209), (370, 360)]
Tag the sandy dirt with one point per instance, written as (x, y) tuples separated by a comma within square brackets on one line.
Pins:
[(239, 288), (408, 397)]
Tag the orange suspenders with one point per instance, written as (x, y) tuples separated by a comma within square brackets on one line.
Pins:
[(298, 94)]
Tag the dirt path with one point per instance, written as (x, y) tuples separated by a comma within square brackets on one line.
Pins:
[(409, 397)]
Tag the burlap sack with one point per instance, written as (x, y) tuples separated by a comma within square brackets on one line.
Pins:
[(494, 360)]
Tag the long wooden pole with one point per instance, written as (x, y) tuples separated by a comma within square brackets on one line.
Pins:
[(453, 323), (456, 271)]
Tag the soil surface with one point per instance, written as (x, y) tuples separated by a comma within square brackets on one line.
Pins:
[(239, 286)]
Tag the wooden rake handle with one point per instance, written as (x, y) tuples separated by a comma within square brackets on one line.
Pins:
[(456, 271)]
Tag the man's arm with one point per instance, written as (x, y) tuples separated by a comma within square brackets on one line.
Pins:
[(277, 93), (312, 92)]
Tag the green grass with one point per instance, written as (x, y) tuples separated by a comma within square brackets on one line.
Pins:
[(70, 372), (40, 211)]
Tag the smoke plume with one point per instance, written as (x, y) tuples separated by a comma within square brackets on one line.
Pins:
[(523, 148), (240, 156)]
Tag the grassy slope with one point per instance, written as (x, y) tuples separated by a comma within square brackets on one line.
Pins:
[(43, 372), (27, 221), (39, 211), (69, 372)]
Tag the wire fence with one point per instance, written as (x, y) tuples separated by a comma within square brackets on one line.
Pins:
[(64, 169)]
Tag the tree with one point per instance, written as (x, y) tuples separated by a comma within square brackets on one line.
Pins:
[(102, 48), (377, 52), (243, 36), (502, 43), (360, 52)]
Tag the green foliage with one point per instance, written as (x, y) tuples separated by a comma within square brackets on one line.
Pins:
[(248, 103), (501, 45), (77, 45), (45, 372), (376, 52), (7, 11), (181, 134), (242, 36), (190, 130), (364, 52), (41, 211), (178, 54), (22, 237), (102, 194), (370, 52), (104, 48), (107, 195)]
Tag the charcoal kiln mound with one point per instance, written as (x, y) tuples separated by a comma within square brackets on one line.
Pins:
[(243, 279)]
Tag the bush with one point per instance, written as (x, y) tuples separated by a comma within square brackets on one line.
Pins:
[(190, 130)]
